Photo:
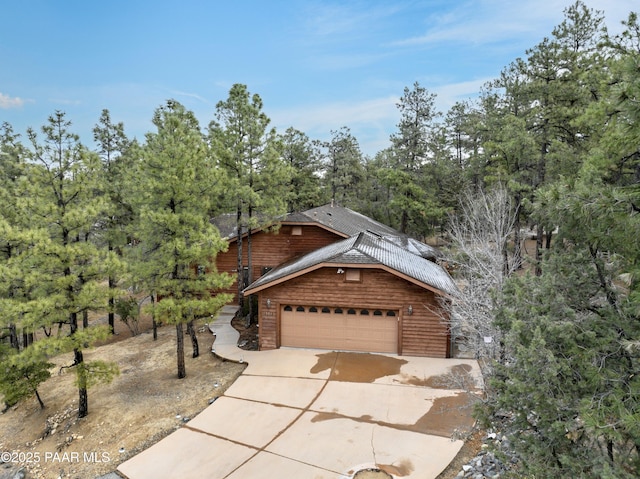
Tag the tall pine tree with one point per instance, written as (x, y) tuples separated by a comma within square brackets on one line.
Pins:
[(177, 247)]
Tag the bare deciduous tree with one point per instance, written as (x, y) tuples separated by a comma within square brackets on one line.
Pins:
[(480, 236)]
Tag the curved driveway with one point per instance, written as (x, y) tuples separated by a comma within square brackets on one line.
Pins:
[(320, 415)]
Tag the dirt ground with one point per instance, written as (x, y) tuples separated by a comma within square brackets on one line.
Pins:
[(142, 405)]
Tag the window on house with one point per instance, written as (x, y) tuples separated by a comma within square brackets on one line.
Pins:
[(364, 312), (326, 310), (391, 313), (300, 309), (351, 311), (377, 312), (313, 309), (353, 274), (296, 231), (338, 311), (288, 308)]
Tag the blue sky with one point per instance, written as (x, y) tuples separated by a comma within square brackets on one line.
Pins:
[(318, 65)]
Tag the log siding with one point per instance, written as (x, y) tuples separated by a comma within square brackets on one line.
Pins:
[(270, 249), (422, 333)]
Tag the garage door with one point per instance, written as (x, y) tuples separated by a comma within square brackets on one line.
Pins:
[(348, 329)]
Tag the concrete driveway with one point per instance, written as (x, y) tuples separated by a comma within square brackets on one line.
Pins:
[(320, 414)]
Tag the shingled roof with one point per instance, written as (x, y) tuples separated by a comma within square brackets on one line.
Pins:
[(342, 221), (364, 248), (345, 221)]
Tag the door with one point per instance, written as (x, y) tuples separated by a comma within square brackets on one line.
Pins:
[(347, 329)]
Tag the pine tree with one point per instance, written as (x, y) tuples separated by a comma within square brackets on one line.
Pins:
[(177, 243), (569, 387), (413, 197), (303, 157), (64, 269), (343, 167), (115, 152), (251, 156)]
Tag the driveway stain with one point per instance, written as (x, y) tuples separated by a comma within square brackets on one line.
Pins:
[(447, 415), (459, 377), (404, 468), (357, 367)]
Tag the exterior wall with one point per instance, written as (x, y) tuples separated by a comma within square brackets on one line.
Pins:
[(421, 333), (273, 249)]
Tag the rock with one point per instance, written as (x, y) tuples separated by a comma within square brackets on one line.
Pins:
[(20, 474), (486, 465)]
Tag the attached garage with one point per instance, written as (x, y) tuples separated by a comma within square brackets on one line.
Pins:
[(349, 329), (363, 293)]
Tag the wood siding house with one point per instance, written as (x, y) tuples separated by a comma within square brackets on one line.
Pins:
[(331, 278)]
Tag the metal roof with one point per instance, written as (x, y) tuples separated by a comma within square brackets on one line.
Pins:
[(365, 248)]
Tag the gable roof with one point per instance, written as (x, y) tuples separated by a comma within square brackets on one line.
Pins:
[(365, 249), (345, 221), (342, 221)]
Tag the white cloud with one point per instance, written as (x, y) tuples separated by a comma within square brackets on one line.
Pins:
[(491, 21), (332, 116), (64, 101), (190, 95), (334, 21), (371, 121), (447, 95), (7, 102)]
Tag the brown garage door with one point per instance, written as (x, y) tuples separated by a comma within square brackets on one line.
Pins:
[(349, 329)]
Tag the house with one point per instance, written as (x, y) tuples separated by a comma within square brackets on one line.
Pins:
[(331, 278)]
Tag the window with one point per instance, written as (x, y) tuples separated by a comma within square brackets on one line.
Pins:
[(364, 312), (313, 309), (353, 275), (351, 311), (326, 310), (377, 312), (288, 308), (296, 231), (337, 311), (391, 313), (300, 309)]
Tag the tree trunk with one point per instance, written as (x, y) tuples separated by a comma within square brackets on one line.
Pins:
[(83, 397), (27, 339), (239, 244), (249, 265), (539, 234), (39, 398), (182, 372), (85, 319), (194, 339), (517, 239), (78, 360), (153, 320), (404, 222), (13, 337), (112, 300)]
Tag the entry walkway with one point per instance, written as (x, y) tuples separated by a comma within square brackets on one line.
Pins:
[(226, 342), (319, 414)]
